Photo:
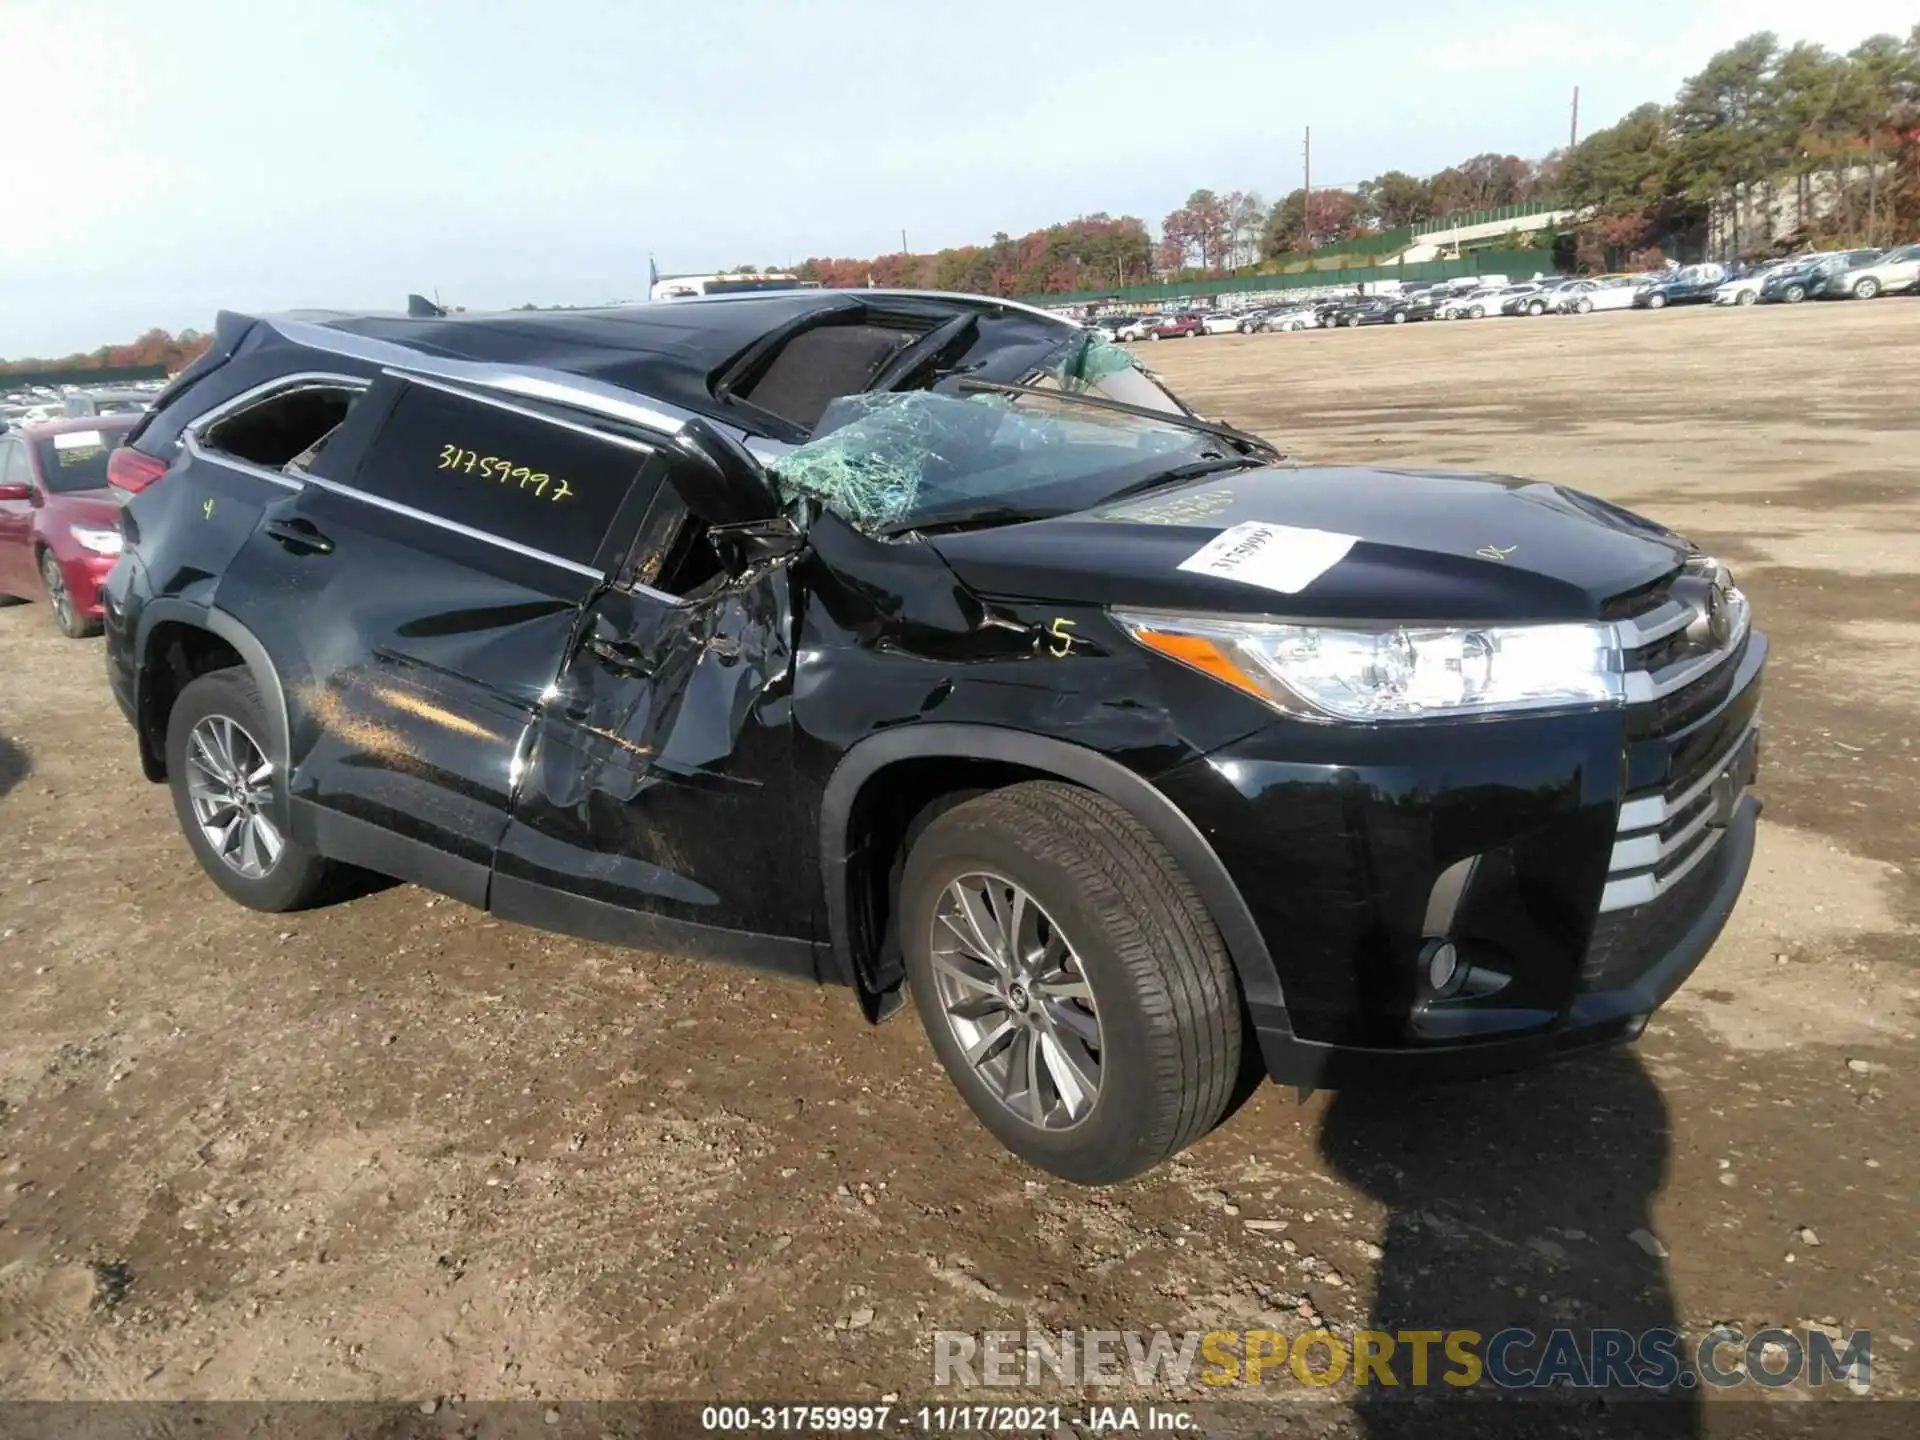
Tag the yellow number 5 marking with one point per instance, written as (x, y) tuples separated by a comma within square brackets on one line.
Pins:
[(1062, 641)]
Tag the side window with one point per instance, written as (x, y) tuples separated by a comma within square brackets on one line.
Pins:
[(285, 430), (509, 473), (13, 463), (670, 554)]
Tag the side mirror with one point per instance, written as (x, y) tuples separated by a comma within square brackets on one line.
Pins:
[(719, 479), (16, 492)]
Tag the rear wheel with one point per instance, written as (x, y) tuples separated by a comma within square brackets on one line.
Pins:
[(1536, 308), (1656, 302), (1399, 317), (1795, 294), (1866, 288), (231, 799), (1477, 312), (1747, 297), (72, 623), (1583, 306), (1070, 980)]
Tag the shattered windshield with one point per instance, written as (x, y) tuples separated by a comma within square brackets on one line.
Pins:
[(894, 461)]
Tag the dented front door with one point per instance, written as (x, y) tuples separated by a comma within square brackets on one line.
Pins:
[(657, 805)]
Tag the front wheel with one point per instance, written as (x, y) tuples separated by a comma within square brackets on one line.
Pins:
[(1399, 317), (1656, 302), (1536, 309), (1070, 980), (1795, 294), (1476, 313), (231, 799), (1866, 288), (1747, 297), (66, 615)]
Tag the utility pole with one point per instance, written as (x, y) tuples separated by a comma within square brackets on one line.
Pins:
[(1306, 187), (1573, 129), (903, 243)]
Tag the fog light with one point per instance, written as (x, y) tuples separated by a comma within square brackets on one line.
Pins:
[(1443, 967)]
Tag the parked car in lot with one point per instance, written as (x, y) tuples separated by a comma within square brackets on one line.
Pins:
[(1372, 310), (1474, 304), (1690, 285), (1300, 318), (597, 621), (1136, 327), (1791, 284), (1526, 298), (1425, 304), (1222, 322), (1744, 289), (1176, 327), (1609, 292), (1890, 274), (59, 522)]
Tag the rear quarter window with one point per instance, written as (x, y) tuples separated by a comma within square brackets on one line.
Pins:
[(516, 476)]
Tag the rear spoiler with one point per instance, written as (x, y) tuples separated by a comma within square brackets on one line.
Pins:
[(230, 330)]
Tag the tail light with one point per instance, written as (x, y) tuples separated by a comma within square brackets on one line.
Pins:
[(132, 470)]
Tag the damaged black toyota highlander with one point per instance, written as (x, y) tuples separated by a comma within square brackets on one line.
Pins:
[(926, 645)]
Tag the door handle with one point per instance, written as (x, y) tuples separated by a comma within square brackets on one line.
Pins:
[(298, 534)]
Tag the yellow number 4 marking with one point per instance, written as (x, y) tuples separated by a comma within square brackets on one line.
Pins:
[(1062, 641), (207, 509)]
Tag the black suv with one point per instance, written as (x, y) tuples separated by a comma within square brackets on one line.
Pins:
[(925, 645)]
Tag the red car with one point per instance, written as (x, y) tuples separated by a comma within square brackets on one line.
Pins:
[(1180, 325), (59, 523)]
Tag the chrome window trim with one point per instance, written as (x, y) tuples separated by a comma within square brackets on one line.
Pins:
[(380, 502), (190, 442), (461, 392), (299, 380), (1652, 811), (595, 396)]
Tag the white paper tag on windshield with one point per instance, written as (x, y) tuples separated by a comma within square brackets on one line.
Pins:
[(1286, 558), (78, 440)]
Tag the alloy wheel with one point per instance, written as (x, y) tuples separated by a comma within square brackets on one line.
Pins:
[(57, 595), (230, 782), (1017, 1001)]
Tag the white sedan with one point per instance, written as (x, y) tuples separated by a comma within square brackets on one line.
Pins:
[(1610, 292), (1224, 322), (1301, 319)]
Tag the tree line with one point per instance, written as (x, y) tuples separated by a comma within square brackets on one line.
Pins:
[(156, 347), (1768, 148)]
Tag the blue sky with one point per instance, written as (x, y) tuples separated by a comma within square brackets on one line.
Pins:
[(166, 160)]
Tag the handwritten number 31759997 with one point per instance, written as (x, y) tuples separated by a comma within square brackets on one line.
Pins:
[(489, 467)]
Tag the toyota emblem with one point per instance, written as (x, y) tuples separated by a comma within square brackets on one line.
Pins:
[(1719, 615)]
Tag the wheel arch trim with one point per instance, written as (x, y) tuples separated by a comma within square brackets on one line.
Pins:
[(245, 644), (1246, 947)]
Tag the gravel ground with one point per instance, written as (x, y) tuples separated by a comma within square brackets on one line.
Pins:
[(394, 1149)]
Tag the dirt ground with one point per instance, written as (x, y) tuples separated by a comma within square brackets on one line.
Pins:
[(393, 1149)]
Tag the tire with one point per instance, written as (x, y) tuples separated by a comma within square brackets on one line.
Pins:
[(1866, 288), (1353, 323), (1536, 309), (297, 876), (1794, 294), (1747, 297), (1477, 312), (1165, 1005), (71, 623), (1656, 302), (1399, 317), (1583, 306)]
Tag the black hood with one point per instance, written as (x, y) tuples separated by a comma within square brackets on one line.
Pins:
[(1428, 545)]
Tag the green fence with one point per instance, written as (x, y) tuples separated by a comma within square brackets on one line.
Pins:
[(1481, 262)]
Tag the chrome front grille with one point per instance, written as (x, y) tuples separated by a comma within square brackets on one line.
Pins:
[(1661, 837), (1673, 654)]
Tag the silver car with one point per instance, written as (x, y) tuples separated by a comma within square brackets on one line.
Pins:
[(1893, 272)]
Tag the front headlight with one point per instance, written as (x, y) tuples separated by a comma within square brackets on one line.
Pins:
[(1401, 672), (101, 542)]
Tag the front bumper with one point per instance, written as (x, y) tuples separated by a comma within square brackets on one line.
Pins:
[(1577, 866), (1596, 1018)]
